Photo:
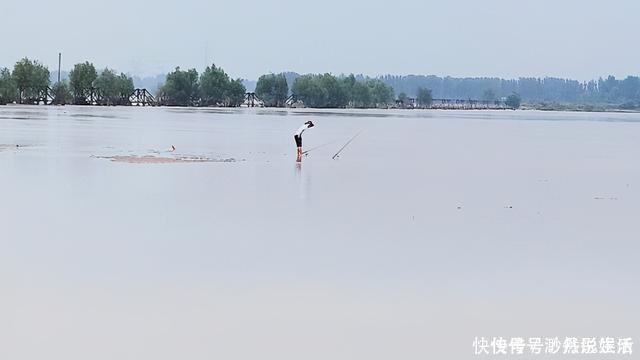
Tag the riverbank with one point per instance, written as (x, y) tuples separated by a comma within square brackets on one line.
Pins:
[(524, 107), (596, 107)]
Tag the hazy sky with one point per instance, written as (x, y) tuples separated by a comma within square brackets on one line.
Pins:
[(507, 38)]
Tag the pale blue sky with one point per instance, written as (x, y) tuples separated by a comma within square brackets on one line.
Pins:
[(577, 39)]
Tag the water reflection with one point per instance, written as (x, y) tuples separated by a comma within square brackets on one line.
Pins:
[(303, 179), (101, 116)]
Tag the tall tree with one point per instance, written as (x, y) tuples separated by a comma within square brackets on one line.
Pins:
[(630, 88), (336, 95), (513, 101), (348, 83), (181, 88), (61, 93), (31, 79), (114, 89), (106, 85), (234, 93), (424, 97), (8, 89), (125, 87), (308, 89), (272, 89), (81, 80), (213, 84), (360, 95), (381, 94)]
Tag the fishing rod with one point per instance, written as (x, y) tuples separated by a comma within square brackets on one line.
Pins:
[(345, 145), (318, 147)]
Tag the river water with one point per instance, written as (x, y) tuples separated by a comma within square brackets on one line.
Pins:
[(431, 228)]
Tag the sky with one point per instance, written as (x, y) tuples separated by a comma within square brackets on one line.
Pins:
[(506, 38)]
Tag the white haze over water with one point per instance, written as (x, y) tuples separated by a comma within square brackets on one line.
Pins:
[(572, 38), (432, 228)]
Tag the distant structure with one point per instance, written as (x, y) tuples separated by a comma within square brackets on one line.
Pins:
[(139, 97), (410, 104), (142, 97), (252, 100), (293, 102), (459, 104), (59, 65)]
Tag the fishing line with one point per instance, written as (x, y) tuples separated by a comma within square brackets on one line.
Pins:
[(345, 145)]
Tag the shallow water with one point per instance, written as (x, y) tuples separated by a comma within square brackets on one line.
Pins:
[(432, 227)]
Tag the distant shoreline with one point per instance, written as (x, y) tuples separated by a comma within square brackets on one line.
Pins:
[(524, 108)]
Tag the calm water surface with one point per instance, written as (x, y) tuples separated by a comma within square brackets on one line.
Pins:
[(431, 228)]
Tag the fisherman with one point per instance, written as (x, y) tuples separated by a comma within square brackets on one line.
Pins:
[(297, 136)]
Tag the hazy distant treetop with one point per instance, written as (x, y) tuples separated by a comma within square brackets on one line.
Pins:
[(424, 97), (513, 101), (489, 95)]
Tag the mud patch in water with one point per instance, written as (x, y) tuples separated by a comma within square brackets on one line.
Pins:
[(150, 159)]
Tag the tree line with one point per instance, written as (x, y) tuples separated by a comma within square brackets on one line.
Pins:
[(29, 83), (324, 91), (531, 90), (211, 88)]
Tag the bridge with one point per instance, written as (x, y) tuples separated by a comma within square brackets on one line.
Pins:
[(252, 100), (139, 97), (142, 97)]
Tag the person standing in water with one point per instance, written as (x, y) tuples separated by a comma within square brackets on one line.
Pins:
[(297, 136)]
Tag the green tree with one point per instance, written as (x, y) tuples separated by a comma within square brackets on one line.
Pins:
[(321, 91), (234, 93), (360, 95), (513, 101), (125, 88), (308, 89), (348, 83), (181, 88), (113, 89), (8, 89), (336, 96), (381, 93), (106, 84), (61, 93), (31, 79), (630, 88), (272, 89), (213, 84), (424, 98), (328, 91), (81, 80)]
